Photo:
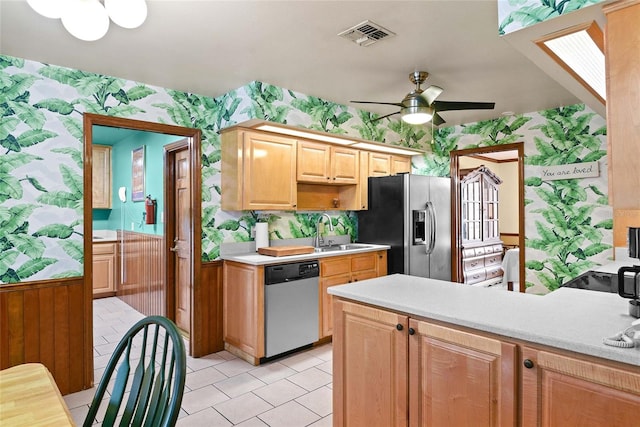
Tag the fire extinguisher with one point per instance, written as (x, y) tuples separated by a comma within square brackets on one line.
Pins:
[(150, 210)]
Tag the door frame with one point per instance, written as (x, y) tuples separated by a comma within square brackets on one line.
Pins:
[(456, 273), (194, 137)]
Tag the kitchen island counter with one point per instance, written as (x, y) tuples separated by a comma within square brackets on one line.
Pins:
[(570, 319)]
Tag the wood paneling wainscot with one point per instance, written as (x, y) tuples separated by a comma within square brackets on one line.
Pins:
[(207, 332), (143, 283), (43, 321)]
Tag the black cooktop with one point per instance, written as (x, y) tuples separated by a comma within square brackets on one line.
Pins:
[(595, 281)]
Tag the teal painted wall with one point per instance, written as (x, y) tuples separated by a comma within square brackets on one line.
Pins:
[(112, 219)]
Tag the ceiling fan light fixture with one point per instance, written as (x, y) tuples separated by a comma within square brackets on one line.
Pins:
[(127, 13), (86, 20), (416, 115), (49, 8)]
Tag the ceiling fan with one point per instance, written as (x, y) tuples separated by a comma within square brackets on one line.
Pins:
[(420, 105)]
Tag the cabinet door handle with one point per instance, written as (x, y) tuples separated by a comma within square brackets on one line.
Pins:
[(528, 363), (399, 327), (412, 331)]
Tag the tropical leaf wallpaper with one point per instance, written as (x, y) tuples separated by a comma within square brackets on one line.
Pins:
[(568, 222), (514, 15)]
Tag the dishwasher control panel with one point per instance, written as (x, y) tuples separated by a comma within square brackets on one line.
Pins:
[(289, 272)]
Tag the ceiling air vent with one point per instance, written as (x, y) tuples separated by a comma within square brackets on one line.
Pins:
[(366, 33)]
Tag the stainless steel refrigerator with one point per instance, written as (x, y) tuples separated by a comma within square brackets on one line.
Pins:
[(412, 214)]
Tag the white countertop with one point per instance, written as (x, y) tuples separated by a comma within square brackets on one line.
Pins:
[(570, 319), (257, 259), (104, 236)]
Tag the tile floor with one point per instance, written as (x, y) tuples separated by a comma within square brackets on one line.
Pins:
[(223, 390)]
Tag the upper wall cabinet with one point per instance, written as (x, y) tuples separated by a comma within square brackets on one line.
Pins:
[(381, 164), (270, 166), (327, 164), (101, 177), (400, 165), (622, 53), (258, 171)]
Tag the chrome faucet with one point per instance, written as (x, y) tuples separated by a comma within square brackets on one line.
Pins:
[(319, 241)]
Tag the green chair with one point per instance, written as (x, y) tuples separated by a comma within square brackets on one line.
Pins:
[(155, 384)]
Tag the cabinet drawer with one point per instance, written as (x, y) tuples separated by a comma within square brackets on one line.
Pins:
[(475, 276), (337, 265), (104, 248), (468, 253), (481, 251), (497, 249), (493, 259), (473, 263), (493, 272), (363, 262)]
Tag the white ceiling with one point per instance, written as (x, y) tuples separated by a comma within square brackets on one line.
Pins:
[(212, 47)]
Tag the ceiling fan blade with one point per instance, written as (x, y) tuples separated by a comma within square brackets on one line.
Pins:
[(453, 105), (431, 93), (397, 104), (437, 119), (384, 117)]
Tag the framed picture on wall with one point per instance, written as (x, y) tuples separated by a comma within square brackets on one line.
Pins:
[(137, 174)]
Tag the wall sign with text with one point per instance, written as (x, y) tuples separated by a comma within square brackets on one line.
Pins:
[(569, 171)]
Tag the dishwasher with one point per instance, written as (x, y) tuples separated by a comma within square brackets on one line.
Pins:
[(291, 306)]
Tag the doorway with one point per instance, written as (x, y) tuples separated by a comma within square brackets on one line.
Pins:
[(504, 152), (178, 194), (189, 145)]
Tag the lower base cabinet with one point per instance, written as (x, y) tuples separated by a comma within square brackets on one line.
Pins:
[(393, 370), (243, 298), (390, 370), (104, 269), (340, 270), (561, 391)]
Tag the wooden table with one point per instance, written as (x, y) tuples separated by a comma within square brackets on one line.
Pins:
[(30, 397)]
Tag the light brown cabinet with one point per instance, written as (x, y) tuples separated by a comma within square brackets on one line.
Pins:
[(400, 164), (458, 378), (370, 384), (258, 171), (267, 171), (374, 164), (381, 164), (101, 177), (104, 269), (425, 374), (559, 391), (243, 310), (243, 298), (622, 55), (339, 270), (447, 375), (327, 164)]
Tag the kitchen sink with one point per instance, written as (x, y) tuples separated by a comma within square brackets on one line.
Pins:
[(346, 247)]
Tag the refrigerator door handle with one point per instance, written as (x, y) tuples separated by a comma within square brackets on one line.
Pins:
[(432, 228)]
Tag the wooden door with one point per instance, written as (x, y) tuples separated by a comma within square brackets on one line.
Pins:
[(460, 379), (561, 391), (369, 367), (182, 243)]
